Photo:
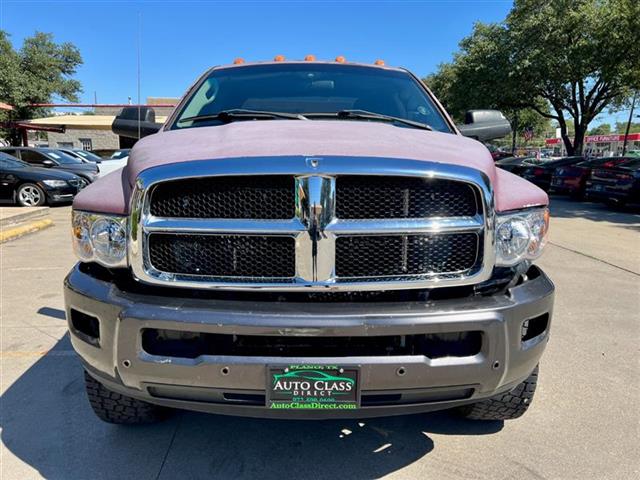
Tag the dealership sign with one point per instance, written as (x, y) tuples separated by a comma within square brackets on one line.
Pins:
[(599, 138)]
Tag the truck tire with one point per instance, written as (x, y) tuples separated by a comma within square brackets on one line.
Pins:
[(505, 406), (113, 407)]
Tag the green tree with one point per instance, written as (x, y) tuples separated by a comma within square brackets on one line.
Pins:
[(568, 60), (602, 129), (621, 127), (40, 72)]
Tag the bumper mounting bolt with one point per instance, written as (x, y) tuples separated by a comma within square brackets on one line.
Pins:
[(126, 363), (496, 365)]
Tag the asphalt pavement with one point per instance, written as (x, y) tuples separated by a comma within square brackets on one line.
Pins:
[(584, 421)]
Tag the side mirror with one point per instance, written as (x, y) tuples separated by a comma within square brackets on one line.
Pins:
[(485, 125), (135, 122), (48, 163)]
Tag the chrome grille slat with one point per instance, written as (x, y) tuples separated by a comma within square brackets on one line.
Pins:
[(315, 230)]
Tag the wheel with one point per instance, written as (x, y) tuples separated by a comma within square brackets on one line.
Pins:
[(30, 195), (113, 407), (506, 406)]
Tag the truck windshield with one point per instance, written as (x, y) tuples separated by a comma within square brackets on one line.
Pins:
[(315, 91)]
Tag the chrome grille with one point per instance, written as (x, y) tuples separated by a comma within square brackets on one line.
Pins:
[(223, 255), (270, 197), (401, 255), (228, 224), (359, 197)]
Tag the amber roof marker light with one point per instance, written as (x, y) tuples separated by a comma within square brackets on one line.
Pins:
[(340, 59), (379, 62), (278, 58), (238, 61), (310, 58)]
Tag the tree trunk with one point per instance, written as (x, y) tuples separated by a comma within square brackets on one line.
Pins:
[(565, 135), (578, 139)]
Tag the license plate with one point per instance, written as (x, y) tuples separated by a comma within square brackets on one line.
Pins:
[(313, 387)]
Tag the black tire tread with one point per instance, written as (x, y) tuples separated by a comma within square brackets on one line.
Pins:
[(113, 407), (506, 406)]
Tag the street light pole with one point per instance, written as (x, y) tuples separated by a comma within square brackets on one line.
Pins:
[(626, 133)]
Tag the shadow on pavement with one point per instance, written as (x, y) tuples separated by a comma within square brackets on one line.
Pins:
[(52, 312), (47, 423), (561, 207)]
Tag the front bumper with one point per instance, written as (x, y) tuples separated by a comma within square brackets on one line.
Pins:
[(60, 194), (236, 384)]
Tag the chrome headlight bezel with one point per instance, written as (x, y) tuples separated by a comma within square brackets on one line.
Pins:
[(100, 238), (521, 235)]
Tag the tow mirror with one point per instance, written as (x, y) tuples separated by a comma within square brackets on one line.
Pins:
[(135, 122), (485, 125)]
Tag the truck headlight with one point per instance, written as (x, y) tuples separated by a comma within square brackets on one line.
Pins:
[(521, 235), (100, 238)]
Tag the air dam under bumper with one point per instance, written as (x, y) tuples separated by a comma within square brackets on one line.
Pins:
[(235, 385)]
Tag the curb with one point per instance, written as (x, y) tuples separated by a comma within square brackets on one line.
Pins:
[(18, 231)]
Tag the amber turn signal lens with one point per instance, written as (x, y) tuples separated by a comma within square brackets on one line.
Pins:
[(278, 58), (310, 58), (341, 59), (379, 62), (238, 61)]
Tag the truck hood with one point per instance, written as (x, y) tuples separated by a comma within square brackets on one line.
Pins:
[(313, 138)]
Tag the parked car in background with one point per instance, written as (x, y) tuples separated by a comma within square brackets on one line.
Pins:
[(52, 158), (84, 155), (117, 160), (30, 186), (572, 179), (541, 174), (122, 154), (517, 164), (617, 184), (497, 153)]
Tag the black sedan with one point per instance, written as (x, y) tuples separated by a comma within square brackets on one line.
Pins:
[(517, 164), (540, 175), (52, 158), (616, 185), (32, 186)]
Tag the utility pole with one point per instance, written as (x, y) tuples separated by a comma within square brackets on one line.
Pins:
[(626, 133), (515, 133)]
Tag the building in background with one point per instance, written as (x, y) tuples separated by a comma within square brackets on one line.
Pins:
[(596, 146), (91, 131)]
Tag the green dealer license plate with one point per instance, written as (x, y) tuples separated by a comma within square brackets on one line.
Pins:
[(313, 387)]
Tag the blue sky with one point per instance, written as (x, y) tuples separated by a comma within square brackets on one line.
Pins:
[(179, 40)]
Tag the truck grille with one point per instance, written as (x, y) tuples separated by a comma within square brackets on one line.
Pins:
[(223, 255), (359, 197), (323, 228), (270, 197), (401, 255)]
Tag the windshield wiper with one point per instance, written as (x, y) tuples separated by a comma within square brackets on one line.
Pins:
[(364, 114), (239, 113)]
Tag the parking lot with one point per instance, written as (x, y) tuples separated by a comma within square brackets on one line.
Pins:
[(584, 422)]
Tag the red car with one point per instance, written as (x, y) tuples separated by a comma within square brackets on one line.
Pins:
[(572, 179)]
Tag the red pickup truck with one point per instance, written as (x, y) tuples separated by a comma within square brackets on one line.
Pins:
[(309, 239)]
